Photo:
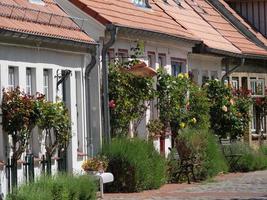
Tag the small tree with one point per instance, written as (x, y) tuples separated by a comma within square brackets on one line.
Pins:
[(55, 123), (19, 118)]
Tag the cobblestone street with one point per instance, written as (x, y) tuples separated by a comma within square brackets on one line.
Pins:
[(251, 185)]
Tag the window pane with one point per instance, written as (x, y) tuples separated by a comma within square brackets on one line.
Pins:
[(28, 81), (46, 84), (235, 83), (11, 78), (176, 68)]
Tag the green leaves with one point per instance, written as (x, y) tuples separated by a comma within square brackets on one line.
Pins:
[(229, 110), (180, 102), (129, 94), (22, 112), (54, 120)]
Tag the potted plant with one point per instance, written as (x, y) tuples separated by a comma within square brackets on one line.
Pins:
[(155, 127), (95, 164)]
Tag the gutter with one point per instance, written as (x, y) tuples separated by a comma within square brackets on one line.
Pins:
[(229, 72), (221, 8), (88, 71), (112, 30)]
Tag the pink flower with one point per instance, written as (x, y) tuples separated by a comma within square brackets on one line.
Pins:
[(112, 104)]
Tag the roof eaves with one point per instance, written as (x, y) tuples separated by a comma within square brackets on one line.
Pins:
[(54, 40), (240, 26), (162, 34), (236, 55)]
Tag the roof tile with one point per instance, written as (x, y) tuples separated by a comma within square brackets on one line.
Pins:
[(125, 13), (48, 20), (190, 19), (226, 29)]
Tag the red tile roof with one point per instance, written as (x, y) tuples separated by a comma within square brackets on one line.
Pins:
[(225, 28), (125, 13), (238, 17), (185, 15), (41, 20)]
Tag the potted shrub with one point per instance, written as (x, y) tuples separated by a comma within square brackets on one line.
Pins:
[(95, 164)]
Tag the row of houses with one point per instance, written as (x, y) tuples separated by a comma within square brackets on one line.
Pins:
[(40, 40)]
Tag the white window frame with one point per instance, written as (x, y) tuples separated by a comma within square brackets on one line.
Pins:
[(254, 123), (235, 83), (47, 84), (162, 60), (176, 70), (12, 77), (254, 83), (29, 81)]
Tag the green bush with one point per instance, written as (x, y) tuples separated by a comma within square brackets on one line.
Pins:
[(135, 164), (209, 158), (263, 149), (251, 160), (61, 187)]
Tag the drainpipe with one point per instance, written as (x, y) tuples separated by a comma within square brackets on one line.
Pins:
[(229, 72), (112, 30), (88, 70)]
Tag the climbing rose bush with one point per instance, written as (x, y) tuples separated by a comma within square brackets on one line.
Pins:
[(229, 112)]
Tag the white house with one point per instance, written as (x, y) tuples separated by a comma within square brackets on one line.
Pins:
[(178, 35), (38, 43)]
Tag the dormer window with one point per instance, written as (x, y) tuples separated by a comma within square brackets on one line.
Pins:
[(142, 3), (38, 2)]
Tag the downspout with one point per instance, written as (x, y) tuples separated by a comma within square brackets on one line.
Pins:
[(229, 72), (112, 30), (88, 71)]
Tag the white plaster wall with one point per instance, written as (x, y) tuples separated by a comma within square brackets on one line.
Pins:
[(168, 144), (205, 63), (39, 59)]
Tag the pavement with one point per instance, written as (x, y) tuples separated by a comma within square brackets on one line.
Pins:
[(233, 186)]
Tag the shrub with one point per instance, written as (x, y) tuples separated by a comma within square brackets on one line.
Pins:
[(208, 155), (229, 112), (251, 159), (61, 187), (135, 164)]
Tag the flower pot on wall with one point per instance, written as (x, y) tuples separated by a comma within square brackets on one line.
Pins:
[(141, 70)]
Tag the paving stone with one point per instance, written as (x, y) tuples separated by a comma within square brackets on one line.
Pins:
[(236, 186)]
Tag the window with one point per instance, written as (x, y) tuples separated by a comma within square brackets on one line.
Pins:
[(244, 82), (254, 122), (39, 2), (111, 56), (29, 87), (195, 75), (214, 75), (12, 78), (205, 77), (257, 86), (47, 78), (151, 59), (162, 60), (235, 83), (122, 55), (177, 66), (141, 3)]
